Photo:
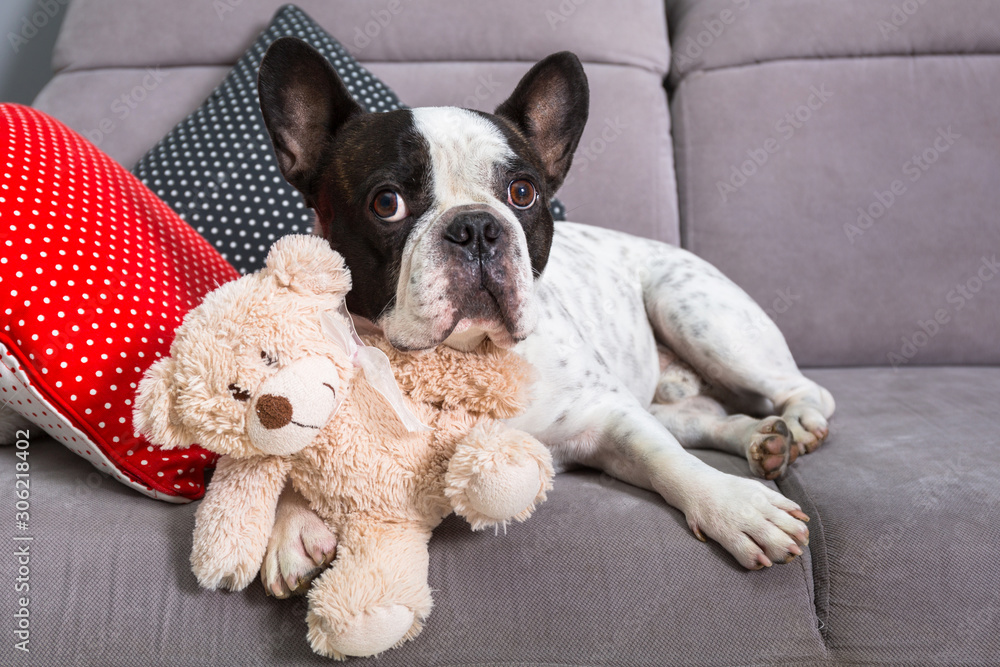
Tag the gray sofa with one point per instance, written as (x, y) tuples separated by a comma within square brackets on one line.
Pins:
[(766, 145)]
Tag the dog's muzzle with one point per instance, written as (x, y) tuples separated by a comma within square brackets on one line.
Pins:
[(469, 273), (483, 279)]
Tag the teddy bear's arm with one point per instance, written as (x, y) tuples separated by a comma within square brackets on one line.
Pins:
[(235, 519)]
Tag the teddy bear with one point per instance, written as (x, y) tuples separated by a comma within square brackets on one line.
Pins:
[(265, 372)]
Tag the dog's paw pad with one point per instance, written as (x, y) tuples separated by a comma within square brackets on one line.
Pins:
[(769, 448), (298, 550)]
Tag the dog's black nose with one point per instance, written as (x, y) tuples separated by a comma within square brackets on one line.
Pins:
[(476, 232)]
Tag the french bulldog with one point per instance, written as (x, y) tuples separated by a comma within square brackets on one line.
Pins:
[(642, 349)]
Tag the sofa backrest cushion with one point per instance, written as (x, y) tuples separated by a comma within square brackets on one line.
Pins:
[(854, 197), (130, 71)]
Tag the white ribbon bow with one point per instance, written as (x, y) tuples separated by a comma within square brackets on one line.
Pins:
[(373, 362)]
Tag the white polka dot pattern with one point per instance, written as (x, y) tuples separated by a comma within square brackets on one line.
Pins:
[(99, 274), (217, 168)]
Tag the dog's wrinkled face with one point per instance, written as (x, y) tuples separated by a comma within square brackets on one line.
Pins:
[(441, 213)]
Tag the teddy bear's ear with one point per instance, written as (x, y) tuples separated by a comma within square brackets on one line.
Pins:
[(307, 263), (155, 413)]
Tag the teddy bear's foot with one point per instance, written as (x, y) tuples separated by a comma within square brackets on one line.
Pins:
[(498, 474), (366, 634), (504, 492)]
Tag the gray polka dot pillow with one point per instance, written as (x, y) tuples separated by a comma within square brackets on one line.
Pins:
[(217, 169)]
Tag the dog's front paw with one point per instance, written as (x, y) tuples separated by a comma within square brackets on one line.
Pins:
[(301, 546), (498, 474), (758, 526)]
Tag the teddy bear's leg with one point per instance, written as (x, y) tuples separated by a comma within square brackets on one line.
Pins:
[(375, 595), (497, 474)]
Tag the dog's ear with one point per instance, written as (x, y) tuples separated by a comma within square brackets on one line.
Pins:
[(550, 106), (155, 412), (304, 102)]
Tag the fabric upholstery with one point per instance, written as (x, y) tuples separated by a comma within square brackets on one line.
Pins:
[(903, 499), (900, 568), (714, 34), (864, 225), (82, 100), (101, 33), (603, 574)]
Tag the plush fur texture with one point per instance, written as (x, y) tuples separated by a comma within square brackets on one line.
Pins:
[(379, 487)]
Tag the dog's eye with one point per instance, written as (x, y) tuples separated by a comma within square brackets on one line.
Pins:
[(521, 194), (238, 393), (389, 206), (268, 359)]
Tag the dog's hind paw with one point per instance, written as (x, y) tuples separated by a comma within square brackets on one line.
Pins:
[(769, 448), (806, 415), (808, 428)]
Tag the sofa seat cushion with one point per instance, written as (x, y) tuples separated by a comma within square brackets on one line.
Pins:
[(713, 34), (904, 532), (603, 574), (901, 567)]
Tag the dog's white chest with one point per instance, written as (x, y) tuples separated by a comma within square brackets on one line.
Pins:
[(593, 337)]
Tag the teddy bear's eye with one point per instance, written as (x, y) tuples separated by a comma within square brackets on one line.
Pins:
[(238, 393), (268, 359)]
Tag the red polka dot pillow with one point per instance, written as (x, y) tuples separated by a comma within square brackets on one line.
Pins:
[(96, 273)]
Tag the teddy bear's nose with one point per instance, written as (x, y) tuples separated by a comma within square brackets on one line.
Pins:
[(274, 411)]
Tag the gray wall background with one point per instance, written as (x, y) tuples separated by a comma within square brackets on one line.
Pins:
[(28, 30)]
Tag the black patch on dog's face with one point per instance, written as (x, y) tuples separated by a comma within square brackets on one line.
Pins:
[(371, 153)]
